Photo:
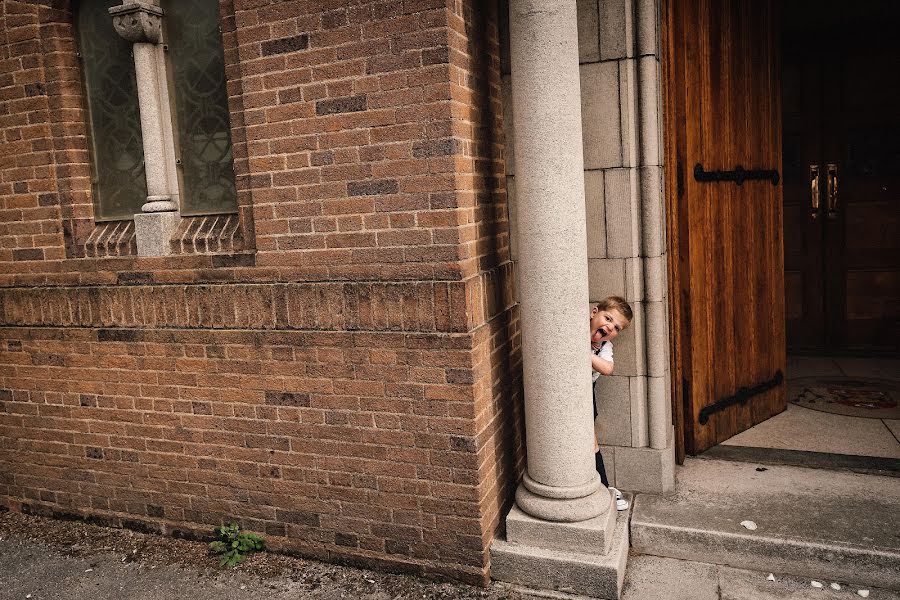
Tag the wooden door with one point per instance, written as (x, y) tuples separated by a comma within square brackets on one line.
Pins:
[(722, 106), (841, 93)]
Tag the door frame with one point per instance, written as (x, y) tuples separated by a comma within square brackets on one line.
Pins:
[(672, 124), (676, 223)]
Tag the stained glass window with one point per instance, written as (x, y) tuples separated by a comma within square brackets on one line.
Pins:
[(117, 148), (201, 100)]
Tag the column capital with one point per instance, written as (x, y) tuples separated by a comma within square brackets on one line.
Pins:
[(138, 22)]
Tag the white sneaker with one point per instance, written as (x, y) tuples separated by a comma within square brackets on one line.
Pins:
[(621, 503)]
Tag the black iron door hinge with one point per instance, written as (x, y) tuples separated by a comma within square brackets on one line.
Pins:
[(738, 175), (740, 397)]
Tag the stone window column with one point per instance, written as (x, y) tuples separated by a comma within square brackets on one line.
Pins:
[(141, 24)]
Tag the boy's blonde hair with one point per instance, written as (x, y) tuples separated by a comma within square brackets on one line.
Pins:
[(617, 303)]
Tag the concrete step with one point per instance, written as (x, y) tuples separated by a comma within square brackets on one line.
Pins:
[(815, 523), (658, 578)]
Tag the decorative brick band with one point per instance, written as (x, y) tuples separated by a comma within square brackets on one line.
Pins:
[(399, 306), (434, 306)]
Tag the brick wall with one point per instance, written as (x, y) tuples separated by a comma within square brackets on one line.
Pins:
[(30, 217), (349, 385), (475, 73)]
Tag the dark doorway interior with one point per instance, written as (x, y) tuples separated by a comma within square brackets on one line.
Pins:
[(841, 161)]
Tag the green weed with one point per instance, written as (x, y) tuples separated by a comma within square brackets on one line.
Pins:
[(234, 545)]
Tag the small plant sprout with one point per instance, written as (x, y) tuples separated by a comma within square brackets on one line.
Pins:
[(234, 545)]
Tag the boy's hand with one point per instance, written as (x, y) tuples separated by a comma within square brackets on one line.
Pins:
[(604, 367)]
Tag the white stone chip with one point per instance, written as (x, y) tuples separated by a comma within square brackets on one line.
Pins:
[(816, 584), (771, 577), (835, 586), (749, 525), (863, 593)]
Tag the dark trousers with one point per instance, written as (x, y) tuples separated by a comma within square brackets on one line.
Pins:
[(598, 457)]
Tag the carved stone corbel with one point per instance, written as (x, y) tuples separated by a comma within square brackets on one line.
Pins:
[(138, 22)]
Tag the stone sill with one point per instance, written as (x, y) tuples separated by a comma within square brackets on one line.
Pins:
[(206, 235)]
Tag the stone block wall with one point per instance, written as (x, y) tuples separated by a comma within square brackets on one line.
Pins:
[(618, 44), (348, 383)]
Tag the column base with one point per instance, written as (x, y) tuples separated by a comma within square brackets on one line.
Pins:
[(565, 509), (591, 536), (153, 231), (580, 570)]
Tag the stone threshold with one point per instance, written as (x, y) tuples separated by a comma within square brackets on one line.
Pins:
[(870, 465)]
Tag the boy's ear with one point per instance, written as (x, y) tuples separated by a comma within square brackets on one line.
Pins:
[(593, 310)]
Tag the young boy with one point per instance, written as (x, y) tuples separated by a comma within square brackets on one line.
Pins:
[(609, 318)]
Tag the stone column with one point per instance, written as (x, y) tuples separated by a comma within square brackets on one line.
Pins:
[(562, 533), (561, 483), (140, 23)]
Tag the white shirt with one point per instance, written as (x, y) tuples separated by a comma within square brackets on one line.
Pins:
[(605, 351)]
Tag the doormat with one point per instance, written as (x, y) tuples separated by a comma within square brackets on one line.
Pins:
[(852, 396)]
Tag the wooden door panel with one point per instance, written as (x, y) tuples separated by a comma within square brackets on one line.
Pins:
[(723, 91)]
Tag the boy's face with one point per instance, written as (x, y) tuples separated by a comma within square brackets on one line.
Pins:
[(606, 324)]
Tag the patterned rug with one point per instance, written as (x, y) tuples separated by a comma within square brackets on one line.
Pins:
[(852, 396)]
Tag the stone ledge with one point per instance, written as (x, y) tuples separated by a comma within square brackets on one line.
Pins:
[(527, 593), (140, 299), (771, 554)]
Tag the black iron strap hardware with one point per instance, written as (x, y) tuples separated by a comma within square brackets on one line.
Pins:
[(740, 397), (738, 175)]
